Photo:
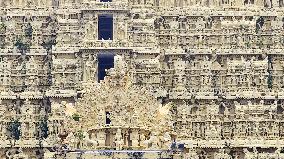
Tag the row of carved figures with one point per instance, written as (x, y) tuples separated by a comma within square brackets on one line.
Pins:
[(220, 3), (221, 153), (231, 130), (242, 153), (234, 22), (161, 3)]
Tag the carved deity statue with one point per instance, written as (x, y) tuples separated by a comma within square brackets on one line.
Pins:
[(267, 3), (154, 141), (101, 118), (192, 154), (250, 155), (135, 138), (121, 30), (71, 140), (277, 24), (167, 141), (90, 68), (90, 33), (101, 138), (118, 140), (174, 24), (120, 65), (20, 155), (222, 155), (200, 24)]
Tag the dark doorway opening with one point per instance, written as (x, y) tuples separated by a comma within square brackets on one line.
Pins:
[(105, 26), (106, 1), (108, 121), (106, 61)]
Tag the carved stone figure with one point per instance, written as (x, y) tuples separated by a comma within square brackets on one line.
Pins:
[(153, 141), (71, 140), (101, 138), (267, 3), (200, 24), (192, 154), (90, 31), (135, 138), (118, 140), (167, 141), (20, 155), (90, 68), (122, 28), (277, 23)]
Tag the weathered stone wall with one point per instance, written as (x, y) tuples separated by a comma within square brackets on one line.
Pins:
[(220, 62)]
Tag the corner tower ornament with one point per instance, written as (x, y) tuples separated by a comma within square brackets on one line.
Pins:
[(118, 115)]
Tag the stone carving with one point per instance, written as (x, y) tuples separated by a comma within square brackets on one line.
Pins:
[(90, 69), (203, 76), (19, 155), (121, 31), (118, 140), (118, 117), (268, 3), (277, 24), (135, 138), (90, 33)]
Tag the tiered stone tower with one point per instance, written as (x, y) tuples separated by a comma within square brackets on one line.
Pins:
[(206, 74)]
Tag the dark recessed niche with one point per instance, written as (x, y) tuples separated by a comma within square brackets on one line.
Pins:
[(105, 27), (108, 121), (106, 61)]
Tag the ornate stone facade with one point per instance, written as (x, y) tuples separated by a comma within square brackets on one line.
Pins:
[(203, 74)]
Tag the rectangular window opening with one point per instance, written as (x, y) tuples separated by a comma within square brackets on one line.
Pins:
[(105, 0), (105, 27), (105, 61)]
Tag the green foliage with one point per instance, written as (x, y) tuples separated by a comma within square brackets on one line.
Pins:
[(21, 45), (43, 126), (270, 78), (79, 134), (248, 44), (2, 43), (2, 27), (29, 30), (48, 44), (270, 81), (260, 43), (14, 129), (76, 117)]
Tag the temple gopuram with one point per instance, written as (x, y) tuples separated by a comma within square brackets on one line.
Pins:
[(149, 79)]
